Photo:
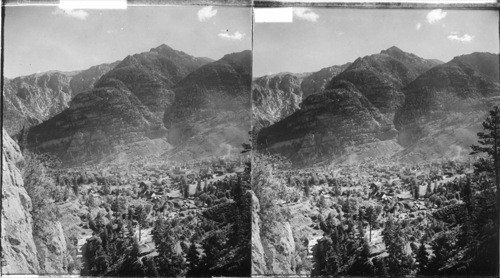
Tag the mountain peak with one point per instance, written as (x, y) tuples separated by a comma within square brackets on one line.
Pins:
[(162, 47), (393, 50), (165, 50), (238, 55)]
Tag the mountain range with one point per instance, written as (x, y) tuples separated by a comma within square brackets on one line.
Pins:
[(391, 104), (162, 102), (167, 103), (32, 99)]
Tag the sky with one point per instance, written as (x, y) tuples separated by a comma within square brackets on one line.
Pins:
[(323, 37), (39, 39)]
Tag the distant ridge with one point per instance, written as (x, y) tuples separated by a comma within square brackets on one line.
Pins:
[(123, 111), (31, 99), (390, 104)]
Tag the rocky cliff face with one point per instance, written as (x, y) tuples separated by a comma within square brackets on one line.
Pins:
[(279, 95), (326, 125), (19, 254), (30, 100), (276, 255), (211, 114), (258, 263), (380, 77), (25, 251), (52, 250), (316, 82), (274, 98)]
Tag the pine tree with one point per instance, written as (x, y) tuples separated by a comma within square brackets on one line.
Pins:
[(140, 216), (428, 190), (380, 267), (417, 192), (422, 258), (306, 187), (489, 143), (371, 214), (198, 188), (193, 259), (186, 190)]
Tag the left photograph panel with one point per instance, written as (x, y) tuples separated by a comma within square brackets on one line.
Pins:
[(126, 141)]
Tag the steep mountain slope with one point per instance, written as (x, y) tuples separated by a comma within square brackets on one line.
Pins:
[(150, 75), (315, 82), (19, 254), (95, 125), (353, 116), (85, 80), (29, 100), (273, 98), (380, 77), (122, 115), (28, 245), (416, 113), (446, 105), (326, 125), (212, 109), (278, 95)]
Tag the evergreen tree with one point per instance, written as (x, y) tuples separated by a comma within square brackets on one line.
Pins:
[(398, 262), (168, 261), (371, 214), (185, 188), (428, 190), (193, 259), (362, 266), (380, 267), (489, 143), (150, 267), (140, 215), (422, 258), (198, 188), (306, 187)]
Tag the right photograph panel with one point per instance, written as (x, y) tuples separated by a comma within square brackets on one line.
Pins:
[(376, 136)]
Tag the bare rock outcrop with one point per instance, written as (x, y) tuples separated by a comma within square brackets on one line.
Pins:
[(19, 253), (274, 98), (258, 263), (52, 250), (280, 251), (273, 254), (32, 99)]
